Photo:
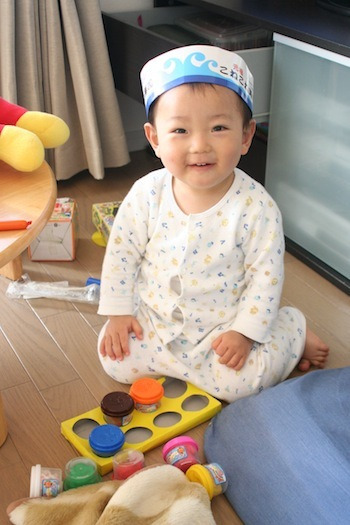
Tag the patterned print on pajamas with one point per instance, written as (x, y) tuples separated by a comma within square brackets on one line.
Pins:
[(192, 277)]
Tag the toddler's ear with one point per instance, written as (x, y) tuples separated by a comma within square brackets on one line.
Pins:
[(248, 134), (152, 137)]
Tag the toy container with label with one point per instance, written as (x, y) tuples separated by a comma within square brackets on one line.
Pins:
[(117, 408), (126, 462), (182, 452), (80, 471), (211, 476), (147, 394), (106, 440), (45, 481)]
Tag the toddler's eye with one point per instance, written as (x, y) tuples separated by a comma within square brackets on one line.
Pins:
[(179, 130), (218, 128)]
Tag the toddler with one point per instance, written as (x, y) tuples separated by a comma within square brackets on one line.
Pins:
[(193, 271)]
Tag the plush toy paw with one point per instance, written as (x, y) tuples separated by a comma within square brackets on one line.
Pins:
[(24, 134), (21, 149), (51, 130)]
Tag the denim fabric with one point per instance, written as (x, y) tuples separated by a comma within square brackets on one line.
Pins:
[(286, 451)]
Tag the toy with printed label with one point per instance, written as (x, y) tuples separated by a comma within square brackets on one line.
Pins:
[(182, 452), (103, 214), (183, 406), (106, 440), (117, 408), (80, 471), (127, 462), (45, 481), (58, 239), (211, 476), (147, 394)]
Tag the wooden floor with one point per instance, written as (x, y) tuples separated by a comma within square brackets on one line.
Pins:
[(49, 369)]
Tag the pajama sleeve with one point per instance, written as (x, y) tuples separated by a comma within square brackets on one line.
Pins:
[(125, 249), (263, 247)]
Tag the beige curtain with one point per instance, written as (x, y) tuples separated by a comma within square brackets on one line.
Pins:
[(54, 58)]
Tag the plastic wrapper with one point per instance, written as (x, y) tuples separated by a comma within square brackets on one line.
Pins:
[(25, 288)]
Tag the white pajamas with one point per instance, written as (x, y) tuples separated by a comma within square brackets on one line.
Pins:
[(192, 277)]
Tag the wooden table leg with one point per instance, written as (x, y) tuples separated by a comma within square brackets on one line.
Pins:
[(13, 269)]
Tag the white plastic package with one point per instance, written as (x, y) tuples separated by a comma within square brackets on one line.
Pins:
[(25, 288)]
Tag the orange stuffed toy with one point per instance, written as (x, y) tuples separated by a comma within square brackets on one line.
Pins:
[(25, 134)]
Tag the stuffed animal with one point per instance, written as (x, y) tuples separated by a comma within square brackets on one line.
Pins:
[(25, 134), (159, 495)]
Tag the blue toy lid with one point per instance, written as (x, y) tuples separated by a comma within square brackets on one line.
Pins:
[(106, 438)]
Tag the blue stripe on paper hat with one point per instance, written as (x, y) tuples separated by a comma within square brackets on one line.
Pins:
[(208, 64)]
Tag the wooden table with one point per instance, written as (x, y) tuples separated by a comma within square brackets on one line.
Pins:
[(30, 196)]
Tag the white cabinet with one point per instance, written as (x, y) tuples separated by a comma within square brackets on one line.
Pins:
[(308, 156)]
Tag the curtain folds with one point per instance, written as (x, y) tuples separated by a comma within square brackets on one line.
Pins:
[(54, 58)]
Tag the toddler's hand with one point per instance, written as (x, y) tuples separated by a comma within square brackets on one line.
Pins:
[(233, 349), (115, 342)]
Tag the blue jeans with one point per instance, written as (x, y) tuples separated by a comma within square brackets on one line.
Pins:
[(286, 451)]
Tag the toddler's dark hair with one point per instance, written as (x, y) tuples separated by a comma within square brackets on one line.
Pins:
[(246, 113)]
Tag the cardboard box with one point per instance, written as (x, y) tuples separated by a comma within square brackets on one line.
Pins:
[(58, 240), (103, 214)]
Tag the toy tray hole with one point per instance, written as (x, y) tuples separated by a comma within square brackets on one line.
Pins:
[(195, 403), (174, 387), (167, 419), (84, 427), (137, 435)]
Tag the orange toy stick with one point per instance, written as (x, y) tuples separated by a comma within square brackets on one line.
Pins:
[(14, 225)]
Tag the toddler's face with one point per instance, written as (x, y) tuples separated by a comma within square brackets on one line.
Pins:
[(198, 134)]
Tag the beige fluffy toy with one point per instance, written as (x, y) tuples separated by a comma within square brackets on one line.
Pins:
[(25, 134), (157, 495)]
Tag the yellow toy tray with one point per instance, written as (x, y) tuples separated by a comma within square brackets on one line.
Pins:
[(183, 407)]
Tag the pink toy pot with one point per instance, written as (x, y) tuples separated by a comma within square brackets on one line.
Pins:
[(182, 452)]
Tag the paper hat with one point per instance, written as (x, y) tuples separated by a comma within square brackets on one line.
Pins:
[(208, 64)]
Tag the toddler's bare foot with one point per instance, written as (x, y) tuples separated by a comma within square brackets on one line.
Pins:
[(315, 352)]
